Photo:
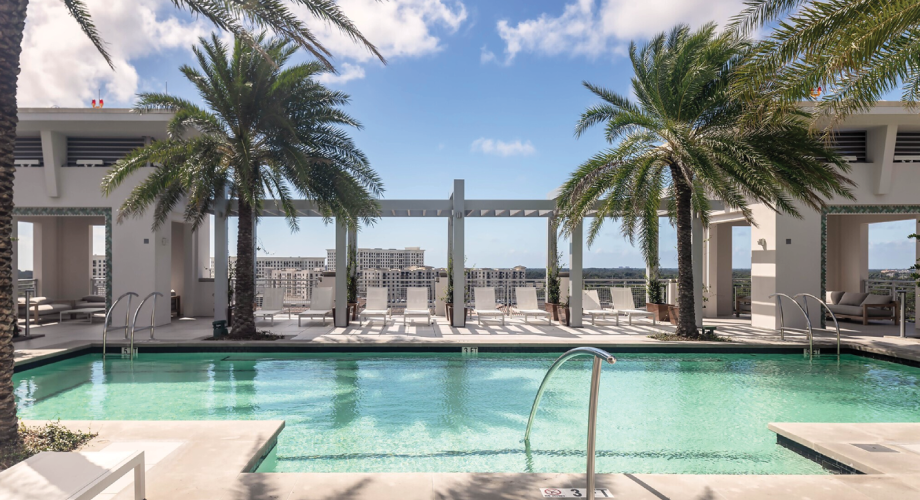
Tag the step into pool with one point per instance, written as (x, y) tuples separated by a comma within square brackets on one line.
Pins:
[(436, 412)]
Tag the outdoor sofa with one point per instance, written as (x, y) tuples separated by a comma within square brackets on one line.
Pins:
[(862, 306)]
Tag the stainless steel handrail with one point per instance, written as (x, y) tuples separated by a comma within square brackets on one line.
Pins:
[(824, 305), (592, 405), (108, 315), (153, 313), (782, 323)]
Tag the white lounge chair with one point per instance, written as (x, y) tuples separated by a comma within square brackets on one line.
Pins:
[(320, 305), (527, 303), (272, 303), (73, 475), (624, 304), (485, 304), (377, 306), (591, 306), (417, 304)]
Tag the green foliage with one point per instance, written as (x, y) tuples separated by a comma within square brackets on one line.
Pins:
[(653, 290), (915, 269), (856, 51), (268, 131), (351, 278), (552, 281), (685, 126), (449, 291), (51, 437)]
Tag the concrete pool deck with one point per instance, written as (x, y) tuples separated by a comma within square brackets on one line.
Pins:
[(189, 333), (198, 460)]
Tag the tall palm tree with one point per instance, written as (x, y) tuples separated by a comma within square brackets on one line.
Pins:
[(227, 15), (269, 131), (680, 141), (855, 51)]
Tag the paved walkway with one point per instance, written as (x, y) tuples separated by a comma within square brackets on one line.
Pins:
[(212, 460)]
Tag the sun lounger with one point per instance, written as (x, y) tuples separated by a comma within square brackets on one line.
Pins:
[(624, 304), (591, 306), (54, 475), (272, 303), (527, 304), (485, 305), (377, 305), (417, 304), (320, 305)]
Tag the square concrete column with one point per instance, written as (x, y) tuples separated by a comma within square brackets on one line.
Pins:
[(341, 294), (15, 247), (221, 259), (352, 246), (917, 288), (457, 253), (718, 260), (576, 276), (652, 268), (697, 241), (255, 247)]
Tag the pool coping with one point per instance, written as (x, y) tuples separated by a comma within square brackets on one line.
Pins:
[(36, 357), (215, 456)]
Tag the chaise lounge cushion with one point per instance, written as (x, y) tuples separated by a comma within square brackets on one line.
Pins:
[(852, 299), (877, 300), (833, 297)]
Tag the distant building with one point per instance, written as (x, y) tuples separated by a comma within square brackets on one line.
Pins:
[(504, 280), (97, 267), (266, 265), (383, 258), (397, 280), (297, 283)]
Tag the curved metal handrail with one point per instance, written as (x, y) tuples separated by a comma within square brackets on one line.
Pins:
[(153, 312), (782, 323), (108, 315), (599, 355), (824, 305)]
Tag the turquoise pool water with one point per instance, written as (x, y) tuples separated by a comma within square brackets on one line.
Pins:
[(661, 413)]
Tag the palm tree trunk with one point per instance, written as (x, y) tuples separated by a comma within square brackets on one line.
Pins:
[(12, 25), (686, 325), (244, 321)]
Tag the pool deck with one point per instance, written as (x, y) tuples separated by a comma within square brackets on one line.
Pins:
[(196, 460), (188, 333)]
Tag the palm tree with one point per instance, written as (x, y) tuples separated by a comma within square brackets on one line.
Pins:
[(269, 132), (680, 141), (854, 51), (230, 16)]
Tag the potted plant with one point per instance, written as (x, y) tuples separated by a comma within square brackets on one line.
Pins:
[(351, 283), (449, 295), (655, 303), (552, 288)]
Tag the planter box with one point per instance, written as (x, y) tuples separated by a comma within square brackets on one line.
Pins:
[(660, 310), (449, 309), (674, 313), (553, 310)]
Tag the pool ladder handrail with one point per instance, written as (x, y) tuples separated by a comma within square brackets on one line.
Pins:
[(599, 355), (108, 315), (153, 313), (782, 323), (828, 309)]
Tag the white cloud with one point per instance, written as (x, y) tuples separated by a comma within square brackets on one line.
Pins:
[(61, 67), (345, 73), (399, 28), (588, 28), (487, 56), (502, 148)]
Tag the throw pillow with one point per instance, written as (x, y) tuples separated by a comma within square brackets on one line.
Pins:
[(852, 299)]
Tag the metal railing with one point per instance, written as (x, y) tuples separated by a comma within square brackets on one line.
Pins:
[(805, 297), (636, 286), (30, 284), (892, 287), (782, 321), (108, 319), (599, 356)]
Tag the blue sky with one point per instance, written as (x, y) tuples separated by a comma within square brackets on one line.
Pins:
[(484, 91)]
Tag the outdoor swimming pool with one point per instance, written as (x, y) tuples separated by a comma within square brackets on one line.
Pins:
[(659, 413)]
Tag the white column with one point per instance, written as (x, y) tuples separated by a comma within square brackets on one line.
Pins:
[(575, 276), (651, 268), (457, 254), (221, 259), (341, 294), (697, 240), (255, 247), (917, 288), (352, 244)]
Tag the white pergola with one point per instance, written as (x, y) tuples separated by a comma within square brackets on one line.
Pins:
[(455, 209)]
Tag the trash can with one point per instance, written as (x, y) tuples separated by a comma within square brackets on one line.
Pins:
[(220, 328)]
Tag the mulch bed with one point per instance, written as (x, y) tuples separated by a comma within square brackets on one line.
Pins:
[(51, 437), (708, 337), (260, 335)]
